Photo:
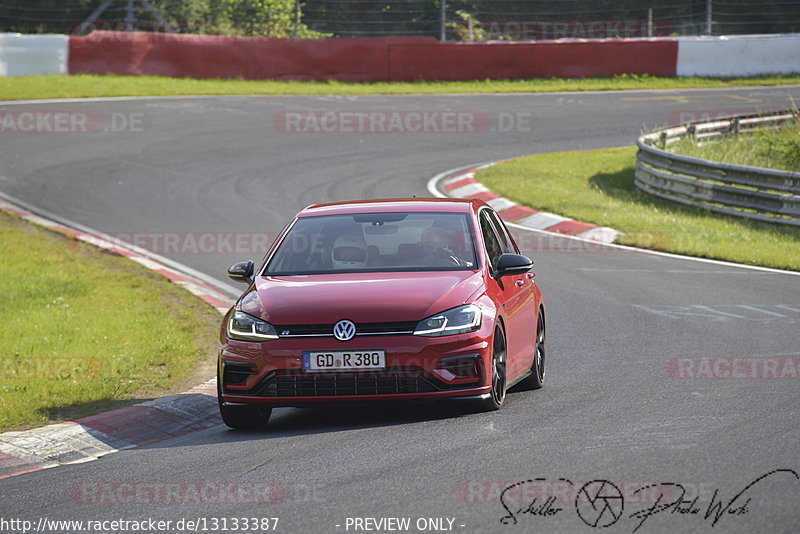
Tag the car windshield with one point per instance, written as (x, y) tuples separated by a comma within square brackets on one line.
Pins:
[(375, 242)]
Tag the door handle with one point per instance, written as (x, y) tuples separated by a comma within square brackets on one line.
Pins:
[(530, 275), (520, 283)]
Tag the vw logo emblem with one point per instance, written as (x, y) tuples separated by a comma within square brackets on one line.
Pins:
[(344, 330)]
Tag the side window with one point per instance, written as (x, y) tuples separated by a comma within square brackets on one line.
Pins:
[(493, 247), (506, 241)]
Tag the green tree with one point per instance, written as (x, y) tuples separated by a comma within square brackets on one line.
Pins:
[(263, 18), (259, 18)]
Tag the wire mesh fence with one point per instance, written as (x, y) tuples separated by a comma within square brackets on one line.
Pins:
[(453, 20)]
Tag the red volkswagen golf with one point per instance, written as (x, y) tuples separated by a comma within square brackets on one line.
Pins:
[(382, 300)]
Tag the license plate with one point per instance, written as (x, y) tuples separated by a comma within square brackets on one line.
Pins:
[(344, 360)]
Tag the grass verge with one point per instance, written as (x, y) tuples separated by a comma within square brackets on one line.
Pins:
[(85, 331), (597, 186), (81, 86), (775, 150)]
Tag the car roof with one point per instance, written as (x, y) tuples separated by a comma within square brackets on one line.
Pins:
[(393, 205)]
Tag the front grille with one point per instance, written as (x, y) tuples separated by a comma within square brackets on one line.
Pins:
[(386, 328), (389, 381), (362, 329), (305, 330)]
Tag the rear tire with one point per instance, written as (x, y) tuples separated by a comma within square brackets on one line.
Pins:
[(498, 394), (242, 417)]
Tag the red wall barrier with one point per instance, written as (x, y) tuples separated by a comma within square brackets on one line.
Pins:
[(362, 59), (567, 59), (203, 56)]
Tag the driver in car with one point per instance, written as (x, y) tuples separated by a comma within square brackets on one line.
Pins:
[(434, 245)]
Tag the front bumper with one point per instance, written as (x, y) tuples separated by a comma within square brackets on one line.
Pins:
[(270, 372)]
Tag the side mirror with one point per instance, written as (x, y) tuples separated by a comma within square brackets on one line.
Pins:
[(242, 271), (510, 264)]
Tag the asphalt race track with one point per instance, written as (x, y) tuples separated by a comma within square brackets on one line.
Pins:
[(614, 407)]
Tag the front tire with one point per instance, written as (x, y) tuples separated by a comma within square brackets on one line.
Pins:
[(242, 417), (498, 394)]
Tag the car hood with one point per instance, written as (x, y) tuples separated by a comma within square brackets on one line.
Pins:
[(362, 298)]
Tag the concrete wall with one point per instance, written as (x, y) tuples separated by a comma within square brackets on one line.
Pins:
[(393, 58), (22, 55), (741, 55)]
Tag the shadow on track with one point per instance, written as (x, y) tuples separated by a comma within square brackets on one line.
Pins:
[(290, 422)]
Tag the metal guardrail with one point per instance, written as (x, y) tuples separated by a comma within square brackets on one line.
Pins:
[(743, 191)]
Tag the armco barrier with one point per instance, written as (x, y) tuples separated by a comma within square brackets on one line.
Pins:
[(23, 55), (720, 187), (363, 59)]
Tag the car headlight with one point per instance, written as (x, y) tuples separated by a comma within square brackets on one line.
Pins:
[(456, 321), (245, 327)]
